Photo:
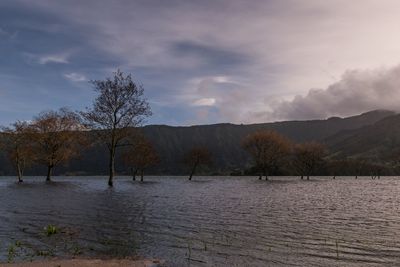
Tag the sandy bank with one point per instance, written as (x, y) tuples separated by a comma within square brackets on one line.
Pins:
[(86, 263)]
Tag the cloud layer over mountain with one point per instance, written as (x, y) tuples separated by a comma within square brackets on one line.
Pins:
[(356, 92)]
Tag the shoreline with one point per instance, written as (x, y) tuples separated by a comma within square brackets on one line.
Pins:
[(87, 263)]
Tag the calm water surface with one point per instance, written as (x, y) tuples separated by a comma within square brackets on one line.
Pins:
[(212, 221)]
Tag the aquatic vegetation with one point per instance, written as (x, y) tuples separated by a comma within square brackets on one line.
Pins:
[(189, 251), (11, 253), (45, 253), (51, 230), (76, 250), (337, 249)]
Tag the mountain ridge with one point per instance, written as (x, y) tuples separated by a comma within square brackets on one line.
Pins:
[(223, 140)]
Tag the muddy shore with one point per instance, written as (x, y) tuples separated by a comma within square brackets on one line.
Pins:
[(86, 263)]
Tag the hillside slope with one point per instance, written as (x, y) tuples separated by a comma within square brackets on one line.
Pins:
[(379, 141), (224, 141)]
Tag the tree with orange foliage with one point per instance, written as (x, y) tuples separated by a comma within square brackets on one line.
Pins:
[(56, 138), (140, 156), (18, 145), (196, 157), (307, 157), (268, 149)]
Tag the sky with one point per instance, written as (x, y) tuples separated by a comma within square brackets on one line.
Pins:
[(202, 62)]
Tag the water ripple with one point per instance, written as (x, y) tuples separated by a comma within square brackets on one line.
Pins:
[(215, 221)]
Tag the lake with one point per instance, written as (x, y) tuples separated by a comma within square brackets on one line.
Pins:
[(211, 221)]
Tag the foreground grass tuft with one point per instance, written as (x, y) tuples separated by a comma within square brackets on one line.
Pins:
[(50, 230)]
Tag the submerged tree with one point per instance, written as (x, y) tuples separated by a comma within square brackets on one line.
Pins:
[(196, 157), (139, 156), (376, 170), (119, 106), (19, 147), (363, 167), (56, 138), (268, 149), (346, 167), (307, 157)]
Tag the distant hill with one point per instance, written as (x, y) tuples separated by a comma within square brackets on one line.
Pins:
[(224, 141), (378, 141)]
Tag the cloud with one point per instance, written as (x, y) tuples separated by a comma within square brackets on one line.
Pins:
[(75, 77), (208, 53), (3, 32), (204, 102), (356, 92), (8, 35), (252, 57), (219, 97), (61, 59)]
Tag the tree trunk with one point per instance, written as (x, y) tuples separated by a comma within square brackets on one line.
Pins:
[(302, 177), (19, 171), (308, 177), (334, 177), (356, 177), (49, 172), (134, 172), (265, 174), (111, 166), (141, 175), (260, 177), (192, 172)]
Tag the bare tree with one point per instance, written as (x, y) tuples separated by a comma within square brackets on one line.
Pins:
[(360, 165), (196, 157), (119, 106), (56, 138), (140, 156), (307, 157), (268, 149), (18, 145)]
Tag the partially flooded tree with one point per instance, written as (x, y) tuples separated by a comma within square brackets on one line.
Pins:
[(307, 157), (196, 157), (139, 156), (56, 138), (346, 167), (376, 170), (119, 106), (268, 149), (19, 147), (359, 166)]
